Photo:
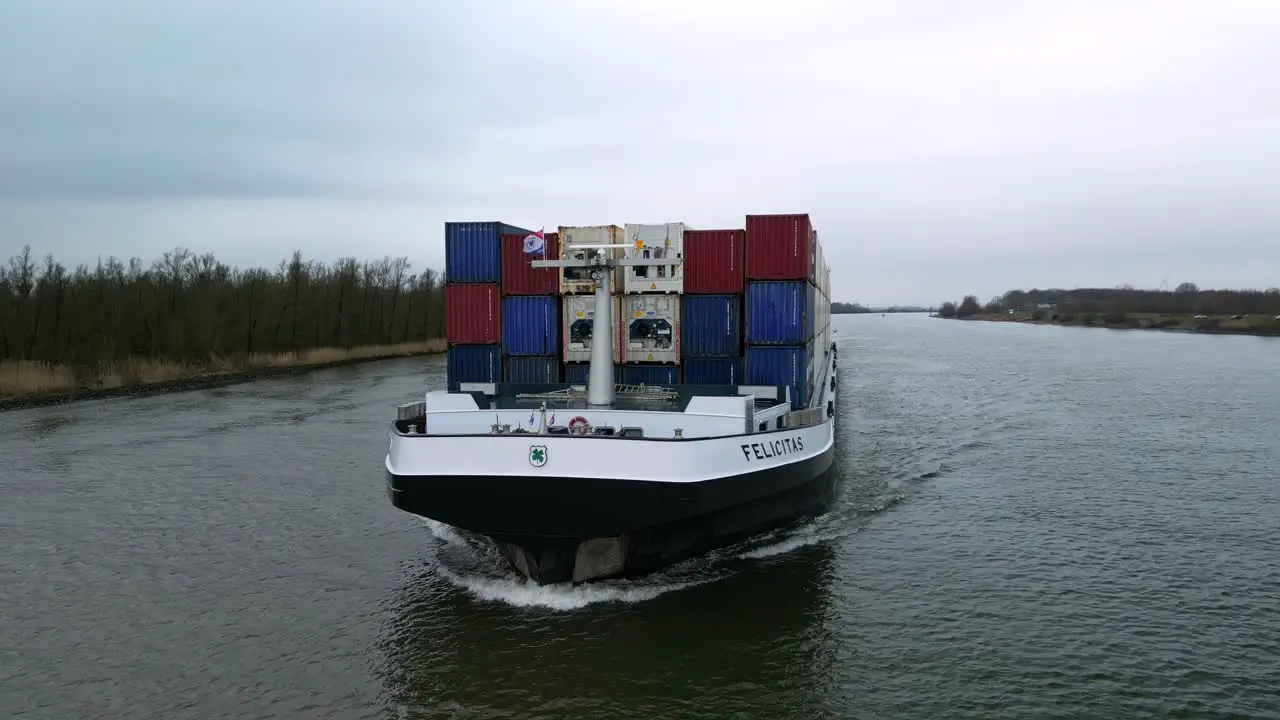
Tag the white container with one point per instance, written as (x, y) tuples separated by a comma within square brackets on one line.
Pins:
[(577, 280), (578, 326), (817, 267), (650, 328), (655, 241)]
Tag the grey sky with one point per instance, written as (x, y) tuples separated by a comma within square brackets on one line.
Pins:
[(942, 147)]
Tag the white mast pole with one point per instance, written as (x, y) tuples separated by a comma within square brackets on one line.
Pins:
[(600, 378)]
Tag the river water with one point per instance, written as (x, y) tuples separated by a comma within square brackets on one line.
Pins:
[(1035, 522)]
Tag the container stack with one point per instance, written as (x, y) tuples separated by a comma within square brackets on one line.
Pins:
[(649, 324), (577, 291), (744, 307), (530, 311), (711, 316), (783, 312), (473, 300)]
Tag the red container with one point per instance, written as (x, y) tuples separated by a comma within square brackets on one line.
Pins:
[(713, 261), (779, 247), (472, 314), (518, 278)]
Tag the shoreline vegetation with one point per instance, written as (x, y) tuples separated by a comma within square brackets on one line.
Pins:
[(838, 308), (1185, 309), (25, 384), (188, 321)]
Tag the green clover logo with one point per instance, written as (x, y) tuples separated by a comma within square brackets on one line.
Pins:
[(538, 455)]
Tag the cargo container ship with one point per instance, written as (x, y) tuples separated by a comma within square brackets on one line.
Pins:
[(566, 433)]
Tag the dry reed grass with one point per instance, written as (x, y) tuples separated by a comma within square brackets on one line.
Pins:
[(28, 378)]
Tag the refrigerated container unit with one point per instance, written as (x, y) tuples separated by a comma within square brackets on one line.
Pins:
[(779, 247), (577, 373), (578, 280), (650, 374), (779, 312), (473, 251), (577, 325), (532, 369), (713, 261), (472, 314), (472, 363), (657, 241), (712, 370), (711, 326), (531, 325), (519, 277), (789, 365), (650, 328)]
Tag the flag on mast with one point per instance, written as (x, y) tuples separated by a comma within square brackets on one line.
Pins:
[(535, 244)]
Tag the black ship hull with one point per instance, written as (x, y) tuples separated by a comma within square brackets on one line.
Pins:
[(567, 529)]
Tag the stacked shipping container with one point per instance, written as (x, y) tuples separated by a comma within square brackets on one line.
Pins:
[(649, 324), (784, 308), (712, 313), (530, 312), (473, 306), (577, 290), (745, 306)]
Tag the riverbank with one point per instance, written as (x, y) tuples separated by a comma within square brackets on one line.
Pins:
[(1256, 325), (33, 384)]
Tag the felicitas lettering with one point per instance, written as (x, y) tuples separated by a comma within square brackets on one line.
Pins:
[(772, 448)]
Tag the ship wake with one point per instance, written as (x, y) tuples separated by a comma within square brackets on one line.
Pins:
[(474, 565)]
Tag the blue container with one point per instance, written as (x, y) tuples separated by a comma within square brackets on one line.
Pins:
[(712, 370), (544, 369), (579, 373), (776, 312), (473, 251), (664, 374), (711, 326), (531, 325), (782, 365), (473, 363)]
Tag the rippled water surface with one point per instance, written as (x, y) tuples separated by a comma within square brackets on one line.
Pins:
[(1035, 522)]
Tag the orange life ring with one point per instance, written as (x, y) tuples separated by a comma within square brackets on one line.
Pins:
[(579, 425)]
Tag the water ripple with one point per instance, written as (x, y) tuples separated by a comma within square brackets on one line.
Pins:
[(1032, 523)]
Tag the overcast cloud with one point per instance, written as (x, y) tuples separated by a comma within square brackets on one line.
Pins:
[(942, 147)]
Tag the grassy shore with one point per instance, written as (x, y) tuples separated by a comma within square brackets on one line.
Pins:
[(1260, 325), (29, 384)]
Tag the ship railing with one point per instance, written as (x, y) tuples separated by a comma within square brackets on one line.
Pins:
[(655, 393)]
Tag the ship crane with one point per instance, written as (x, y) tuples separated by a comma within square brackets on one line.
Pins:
[(600, 382)]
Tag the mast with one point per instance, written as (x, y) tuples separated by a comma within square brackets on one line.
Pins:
[(600, 378), (600, 383)]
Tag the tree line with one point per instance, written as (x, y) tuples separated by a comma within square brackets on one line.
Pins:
[(1115, 304), (839, 308), (190, 307)]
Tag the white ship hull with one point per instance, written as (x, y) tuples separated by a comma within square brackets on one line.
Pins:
[(568, 508)]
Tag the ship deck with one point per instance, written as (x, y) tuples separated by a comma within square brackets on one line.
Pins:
[(635, 398)]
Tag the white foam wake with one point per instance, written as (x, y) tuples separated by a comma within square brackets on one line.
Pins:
[(497, 583), (489, 578), (520, 592)]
